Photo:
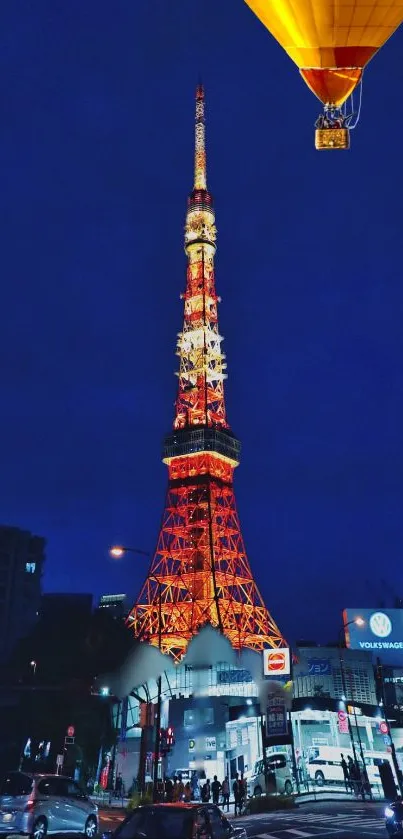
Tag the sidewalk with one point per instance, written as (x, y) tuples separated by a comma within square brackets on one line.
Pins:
[(108, 801)]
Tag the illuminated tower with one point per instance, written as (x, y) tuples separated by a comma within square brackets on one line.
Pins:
[(200, 572)]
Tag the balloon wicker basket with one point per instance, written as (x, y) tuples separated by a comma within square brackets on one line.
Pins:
[(332, 138)]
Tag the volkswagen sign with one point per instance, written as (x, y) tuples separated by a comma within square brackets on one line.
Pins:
[(382, 629)]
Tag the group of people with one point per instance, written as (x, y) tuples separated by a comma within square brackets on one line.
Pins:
[(355, 779), (176, 790)]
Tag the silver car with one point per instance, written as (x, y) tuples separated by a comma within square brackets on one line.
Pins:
[(39, 804)]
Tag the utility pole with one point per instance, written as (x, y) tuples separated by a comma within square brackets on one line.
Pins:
[(158, 712), (344, 687)]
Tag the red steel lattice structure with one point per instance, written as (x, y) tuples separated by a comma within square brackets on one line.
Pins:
[(200, 572)]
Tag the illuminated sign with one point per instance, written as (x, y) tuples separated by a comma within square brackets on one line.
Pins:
[(229, 677), (382, 629), (352, 709), (276, 662), (211, 744), (276, 718), (319, 667)]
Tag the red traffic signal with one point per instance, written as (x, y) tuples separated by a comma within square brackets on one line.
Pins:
[(170, 737)]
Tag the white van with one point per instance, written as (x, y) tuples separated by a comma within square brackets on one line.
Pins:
[(324, 764), (279, 764)]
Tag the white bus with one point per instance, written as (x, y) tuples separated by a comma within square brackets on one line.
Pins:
[(324, 764)]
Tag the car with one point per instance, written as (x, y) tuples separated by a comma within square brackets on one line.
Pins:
[(176, 821), (394, 818), (279, 773), (35, 805)]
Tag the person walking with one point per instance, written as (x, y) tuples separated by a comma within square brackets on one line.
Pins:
[(206, 792), (119, 786), (169, 790), (181, 789), (215, 789), (242, 791), (225, 793), (354, 775), (346, 774), (236, 789), (188, 793)]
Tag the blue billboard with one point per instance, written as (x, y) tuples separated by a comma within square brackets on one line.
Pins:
[(374, 629)]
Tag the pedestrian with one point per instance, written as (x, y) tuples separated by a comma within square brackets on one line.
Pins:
[(194, 781), (118, 785), (353, 772), (242, 791), (236, 789), (215, 789), (175, 790), (225, 793), (206, 792), (188, 792), (346, 774), (181, 789), (168, 789)]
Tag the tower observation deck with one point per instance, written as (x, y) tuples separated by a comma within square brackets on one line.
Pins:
[(200, 572)]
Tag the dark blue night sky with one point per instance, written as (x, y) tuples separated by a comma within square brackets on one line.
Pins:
[(96, 144)]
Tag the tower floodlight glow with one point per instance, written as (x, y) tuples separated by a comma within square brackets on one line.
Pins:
[(200, 573)]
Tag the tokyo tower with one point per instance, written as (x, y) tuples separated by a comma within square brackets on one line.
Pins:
[(200, 573)]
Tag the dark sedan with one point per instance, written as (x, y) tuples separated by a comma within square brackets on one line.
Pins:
[(176, 821), (394, 818)]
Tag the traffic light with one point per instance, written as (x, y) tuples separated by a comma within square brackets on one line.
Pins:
[(170, 737)]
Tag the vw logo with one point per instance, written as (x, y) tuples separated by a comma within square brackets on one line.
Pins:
[(380, 625)]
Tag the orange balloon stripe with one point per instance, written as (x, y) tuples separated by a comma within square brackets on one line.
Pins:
[(332, 86), (331, 57)]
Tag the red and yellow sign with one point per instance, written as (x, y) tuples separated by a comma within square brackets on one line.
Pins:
[(276, 662)]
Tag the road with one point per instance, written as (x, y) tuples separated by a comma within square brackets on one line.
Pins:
[(335, 820)]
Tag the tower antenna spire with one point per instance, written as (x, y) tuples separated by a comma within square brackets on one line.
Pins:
[(200, 181)]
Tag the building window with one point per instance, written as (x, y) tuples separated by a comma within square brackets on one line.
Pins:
[(208, 716), (30, 567), (191, 717)]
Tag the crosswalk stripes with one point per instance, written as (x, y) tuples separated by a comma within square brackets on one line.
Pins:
[(292, 834), (303, 822), (297, 834), (338, 818)]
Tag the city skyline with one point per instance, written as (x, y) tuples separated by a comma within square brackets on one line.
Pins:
[(96, 165)]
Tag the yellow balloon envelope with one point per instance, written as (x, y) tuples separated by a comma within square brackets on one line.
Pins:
[(331, 41)]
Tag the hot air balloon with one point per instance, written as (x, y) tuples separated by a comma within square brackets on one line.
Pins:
[(331, 41)]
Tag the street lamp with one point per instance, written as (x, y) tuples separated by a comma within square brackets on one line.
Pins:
[(117, 551), (33, 665), (358, 621)]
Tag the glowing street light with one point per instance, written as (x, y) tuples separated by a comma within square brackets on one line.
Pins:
[(33, 665), (117, 551)]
